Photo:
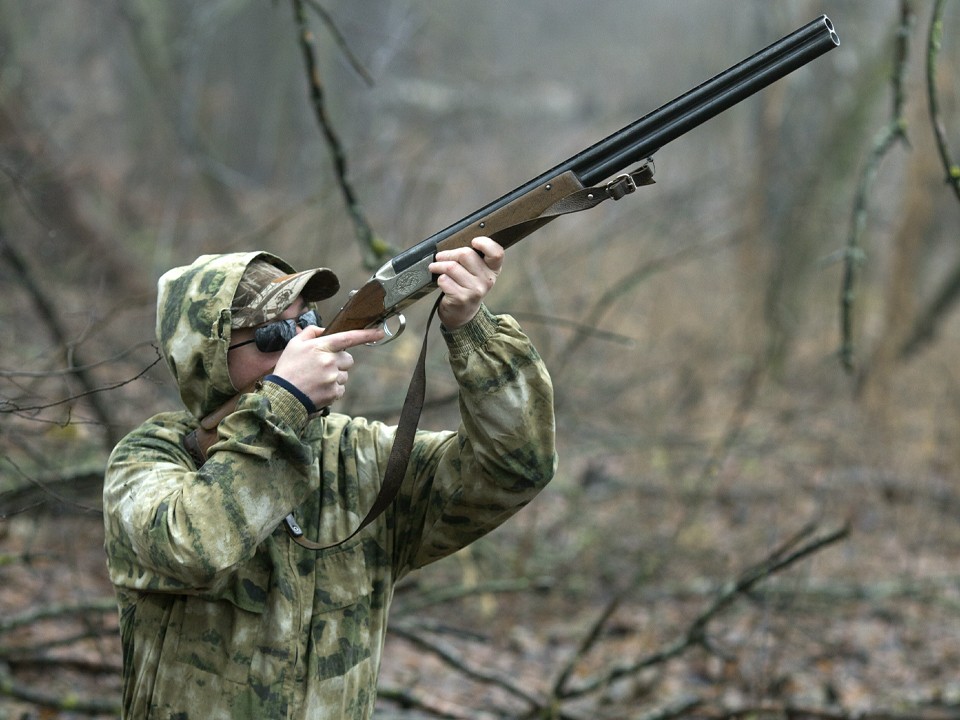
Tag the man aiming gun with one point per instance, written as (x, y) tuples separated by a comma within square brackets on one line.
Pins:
[(223, 614)]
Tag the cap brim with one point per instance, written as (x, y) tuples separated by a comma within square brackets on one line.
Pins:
[(279, 293), (312, 285)]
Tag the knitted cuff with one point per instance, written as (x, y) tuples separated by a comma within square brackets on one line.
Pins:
[(293, 390), (473, 335)]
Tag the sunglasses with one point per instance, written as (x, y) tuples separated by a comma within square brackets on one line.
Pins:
[(274, 336)]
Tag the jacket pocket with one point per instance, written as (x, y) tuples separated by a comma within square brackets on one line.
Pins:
[(341, 625), (218, 638), (342, 578), (221, 628)]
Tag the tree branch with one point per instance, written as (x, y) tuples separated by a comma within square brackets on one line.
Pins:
[(375, 249), (801, 545), (67, 703), (340, 39), (450, 657), (625, 285), (934, 44), (949, 292), (696, 632), (894, 132), (45, 309), (48, 612)]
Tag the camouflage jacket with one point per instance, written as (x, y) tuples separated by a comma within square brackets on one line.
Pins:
[(221, 614)]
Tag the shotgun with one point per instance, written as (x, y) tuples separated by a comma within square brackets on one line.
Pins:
[(578, 183), (567, 187)]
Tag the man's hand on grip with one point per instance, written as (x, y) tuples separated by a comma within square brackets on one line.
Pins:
[(318, 365), (466, 275)]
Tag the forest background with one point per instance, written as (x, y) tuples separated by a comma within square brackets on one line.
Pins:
[(758, 395)]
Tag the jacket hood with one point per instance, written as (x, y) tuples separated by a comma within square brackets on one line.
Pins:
[(193, 325)]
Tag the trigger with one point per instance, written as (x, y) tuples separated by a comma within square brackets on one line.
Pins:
[(391, 334)]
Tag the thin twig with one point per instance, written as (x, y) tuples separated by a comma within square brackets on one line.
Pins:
[(66, 371), (894, 132), (449, 593), (582, 329), (696, 632), (736, 422), (586, 644), (8, 406), (949, 291), (804, 712), (340, 39), (934, 44), (625, 285), (374, 248), (43, 488), (451, 658), (45, 308), (680, 708), (407, 699), (48, 612)]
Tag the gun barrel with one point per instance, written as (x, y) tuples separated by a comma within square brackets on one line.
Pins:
[(641, 138), (645, 136)]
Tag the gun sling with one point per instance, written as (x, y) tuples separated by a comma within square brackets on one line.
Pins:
[(583, 199)]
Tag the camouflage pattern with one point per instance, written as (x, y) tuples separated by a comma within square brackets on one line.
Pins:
[(221, 614), (265, 291)]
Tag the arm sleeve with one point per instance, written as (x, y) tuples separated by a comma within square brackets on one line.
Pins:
[(172, 527), (459, 487)]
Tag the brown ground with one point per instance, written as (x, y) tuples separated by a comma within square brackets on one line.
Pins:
[(867, 624)]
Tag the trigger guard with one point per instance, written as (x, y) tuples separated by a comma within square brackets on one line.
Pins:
[(389, 335)]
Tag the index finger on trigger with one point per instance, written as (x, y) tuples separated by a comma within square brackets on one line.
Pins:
[(341, 341)]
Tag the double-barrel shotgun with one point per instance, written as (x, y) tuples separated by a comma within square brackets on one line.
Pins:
[(572, 185)]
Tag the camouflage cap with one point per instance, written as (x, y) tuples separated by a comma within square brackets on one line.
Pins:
[(266, 290)]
